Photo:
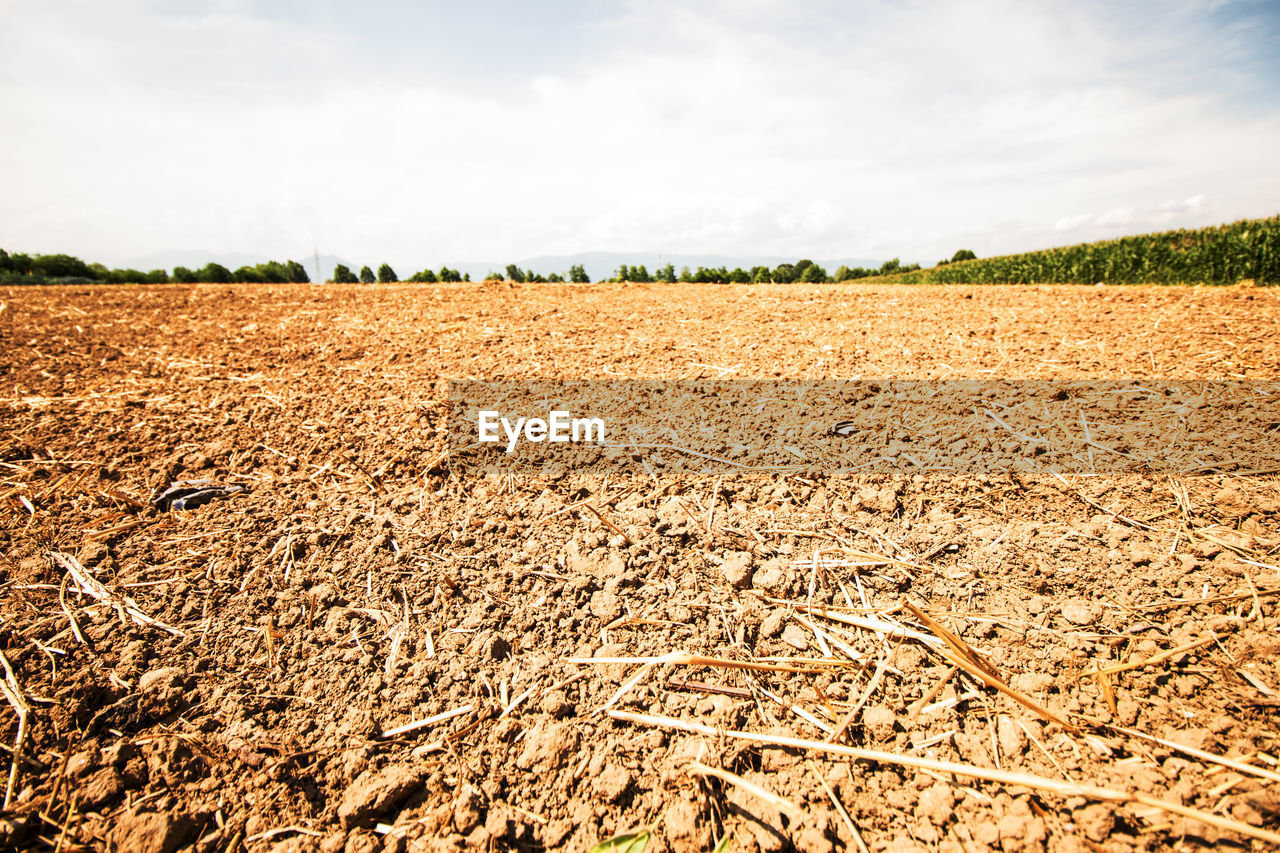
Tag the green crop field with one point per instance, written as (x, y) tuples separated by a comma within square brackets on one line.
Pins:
[(1224, 254)]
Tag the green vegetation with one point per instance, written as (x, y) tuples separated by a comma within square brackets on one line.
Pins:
[(1223, 254), (67, 269)]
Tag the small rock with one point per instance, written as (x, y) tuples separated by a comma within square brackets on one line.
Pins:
[(101, 788), (153, 832), (84, 762), (1022, 833), (1096, 821), (376, 792), (613, 782), (684, 825), (772, 576), (937, 803), (792, 635), (161, 679), (1081, 612), (466, 810), (163, 692), (1196, 738), (557, 704), (1013, 740), (772, 624), (737, 569), (673, 519), (1032, 682), (605, 606), (879, 721), (547, 746)]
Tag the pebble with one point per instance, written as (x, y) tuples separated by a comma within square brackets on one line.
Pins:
[(792, 635), (738, 568), (1081, 612)]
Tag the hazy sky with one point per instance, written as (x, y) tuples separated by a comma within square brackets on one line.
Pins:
[(432, 132)]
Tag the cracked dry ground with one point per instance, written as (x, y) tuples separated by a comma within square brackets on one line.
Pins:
[(247, 675)]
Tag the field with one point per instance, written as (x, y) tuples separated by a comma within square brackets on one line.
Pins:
[(377, 638)]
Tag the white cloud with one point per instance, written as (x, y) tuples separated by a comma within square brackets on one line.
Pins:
[(873, 129)]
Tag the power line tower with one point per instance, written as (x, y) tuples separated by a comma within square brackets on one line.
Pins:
[(317, 265)]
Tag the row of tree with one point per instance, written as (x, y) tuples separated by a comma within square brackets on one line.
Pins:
[(342, 274), (67, 268), (802, 271), (33, 269), (577, 274)]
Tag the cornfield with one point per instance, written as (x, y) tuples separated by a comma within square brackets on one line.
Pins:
[(1223, 254)]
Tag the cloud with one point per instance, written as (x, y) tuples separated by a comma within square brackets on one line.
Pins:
[(816, 129)]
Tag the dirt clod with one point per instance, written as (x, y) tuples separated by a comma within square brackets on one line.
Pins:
[(376, 792)]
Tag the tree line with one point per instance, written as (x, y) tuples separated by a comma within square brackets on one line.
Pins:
[(18, 268), (803, 271), (342, 274), (35, 269)]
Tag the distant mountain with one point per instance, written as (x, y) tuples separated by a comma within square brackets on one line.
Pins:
[(196, 258), (602, 265)]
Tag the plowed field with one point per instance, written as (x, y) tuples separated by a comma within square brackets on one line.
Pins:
[(366, 635)]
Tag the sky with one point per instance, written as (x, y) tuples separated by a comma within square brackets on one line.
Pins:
[(432, 132)]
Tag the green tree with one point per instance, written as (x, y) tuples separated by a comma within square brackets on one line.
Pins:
[(963, 255), (447, 274), (666, 273), (514, 273), (685, 275), (784, 273), (128, 276), (20, 263), (578, 275), (60, 266), (386, 274), (493, 276), (426, 276), (739, 276), (812, 273), (366, 275), (342, 274), (157, 277), (889, 267), (248, 275), (214, 273), (271, 272), (296, 273), (555, 278), (182, 275)]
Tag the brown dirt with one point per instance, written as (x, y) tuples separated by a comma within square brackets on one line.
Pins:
[(361, 582)]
